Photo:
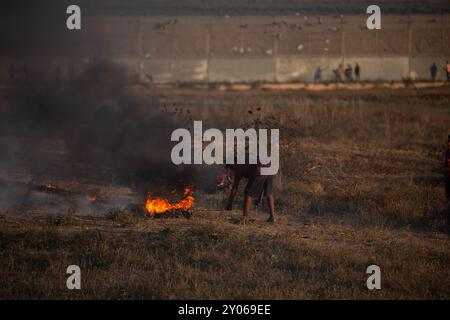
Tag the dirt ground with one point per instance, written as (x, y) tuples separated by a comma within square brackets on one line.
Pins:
[(360, 183)]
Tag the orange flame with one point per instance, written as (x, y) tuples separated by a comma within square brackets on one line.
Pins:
[(91, 197), (161, 205)]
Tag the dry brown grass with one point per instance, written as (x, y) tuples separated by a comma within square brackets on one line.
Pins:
[(361, 183), (207, 258)]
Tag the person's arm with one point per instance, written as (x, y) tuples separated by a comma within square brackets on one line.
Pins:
[(234, 188)]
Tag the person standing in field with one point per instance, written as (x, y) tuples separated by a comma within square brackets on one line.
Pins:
[(433, 71), (447, 70), (318, 75), (357, 71), (341, 71), (348, 73), (257, 186)]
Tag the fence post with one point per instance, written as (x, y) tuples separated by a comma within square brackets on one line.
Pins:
[(443, 16), (172, 52), (342, 40), (140, 50), (410, 34), (208, 47), (275, 52)]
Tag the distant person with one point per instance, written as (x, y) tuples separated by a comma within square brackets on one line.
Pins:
[(341, 70), (447, 70), (433, 71), (339, 73), (348, 73), (357, 72), (318, 75), (336, 74)]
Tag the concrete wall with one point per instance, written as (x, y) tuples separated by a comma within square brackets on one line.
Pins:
[(245, 49)]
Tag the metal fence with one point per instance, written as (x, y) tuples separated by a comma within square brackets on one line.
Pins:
[(246, 48)]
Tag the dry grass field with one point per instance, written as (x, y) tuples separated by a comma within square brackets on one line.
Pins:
[(361, 183)]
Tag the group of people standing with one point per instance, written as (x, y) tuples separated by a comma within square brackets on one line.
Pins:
[(341, 73), (346, 73), (349, 73)]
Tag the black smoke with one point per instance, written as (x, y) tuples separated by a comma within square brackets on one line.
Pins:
[(100, 124)]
